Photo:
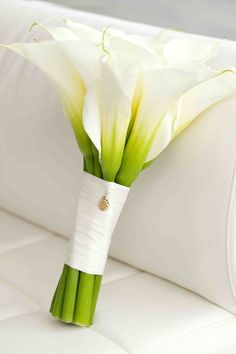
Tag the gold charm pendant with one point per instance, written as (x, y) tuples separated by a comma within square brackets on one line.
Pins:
[(103, 203)]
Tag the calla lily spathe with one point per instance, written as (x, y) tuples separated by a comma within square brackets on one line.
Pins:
[(128, 96)]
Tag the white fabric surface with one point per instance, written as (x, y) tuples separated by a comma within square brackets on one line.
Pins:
[(179, 222), (90, 242), (152, 312), (205, 340), (41, 334), (18, 234), (14, 303), (137, 313)]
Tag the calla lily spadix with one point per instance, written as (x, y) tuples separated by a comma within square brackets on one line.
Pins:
[(127, 97)]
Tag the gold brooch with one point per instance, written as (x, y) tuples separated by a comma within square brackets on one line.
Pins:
[(103, 203)]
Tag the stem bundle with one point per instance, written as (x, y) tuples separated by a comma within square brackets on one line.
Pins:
[(75, 298)]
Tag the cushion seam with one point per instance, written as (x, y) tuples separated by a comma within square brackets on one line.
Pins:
[(111, 340), (26, 243), (228, 232), (23, 292), (35, 224), (187, 334), (119, 279)]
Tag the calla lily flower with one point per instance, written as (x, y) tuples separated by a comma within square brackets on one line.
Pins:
[(128, 96)]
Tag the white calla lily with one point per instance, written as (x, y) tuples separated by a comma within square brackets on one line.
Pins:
[(128, 96), (69, 75), (109, 81), (204, 95), (189, 106), (161, 118), (160, 89), (115, 116)]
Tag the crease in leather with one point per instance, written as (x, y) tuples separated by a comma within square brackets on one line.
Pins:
[(20, 315), (28, 221), (231, 213), (111, 340), (86, 329), (23, 292), (25, 244), (232, 317), (125, 277), (181, 337)]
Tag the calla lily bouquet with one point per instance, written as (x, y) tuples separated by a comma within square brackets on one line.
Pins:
[(126, 97)]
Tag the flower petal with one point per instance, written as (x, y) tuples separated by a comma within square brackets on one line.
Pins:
[(85, 32), (58, 33), (83, 53), (201, 97), (85, 57), (189, 106), (115, 116), (108, 104), (160, 90), (181, 51), (92, 115), (52, 60)]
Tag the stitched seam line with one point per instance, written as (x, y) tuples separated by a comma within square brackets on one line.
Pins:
[(228, 232), (188, 334), (30, 222)]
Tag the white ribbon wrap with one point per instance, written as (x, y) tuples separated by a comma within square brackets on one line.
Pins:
[(89, 245)]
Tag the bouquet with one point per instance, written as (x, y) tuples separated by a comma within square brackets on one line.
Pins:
[(126, 97)]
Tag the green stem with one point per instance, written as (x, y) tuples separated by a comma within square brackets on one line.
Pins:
[(56, 311), (96, 288), (76, 297), (84, 299), (54, 297), (70, 294), (97, 166), (89, 163)]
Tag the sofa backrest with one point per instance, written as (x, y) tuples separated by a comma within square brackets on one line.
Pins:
[(180, 219)]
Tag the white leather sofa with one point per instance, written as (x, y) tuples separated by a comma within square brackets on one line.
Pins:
[(170, 284)]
